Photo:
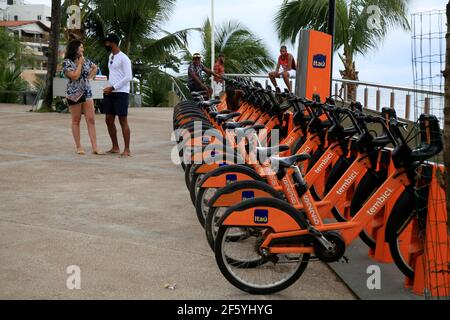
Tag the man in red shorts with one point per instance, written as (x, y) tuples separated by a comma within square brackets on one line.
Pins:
[(286, 69)]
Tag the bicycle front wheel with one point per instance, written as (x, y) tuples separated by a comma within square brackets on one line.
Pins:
[(272, 274)]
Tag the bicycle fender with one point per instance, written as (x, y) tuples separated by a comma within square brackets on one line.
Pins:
[(241, 191), (214, 159), (266, 213), (223, 176)]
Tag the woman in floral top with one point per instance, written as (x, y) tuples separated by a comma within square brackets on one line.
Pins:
[(79, 93)]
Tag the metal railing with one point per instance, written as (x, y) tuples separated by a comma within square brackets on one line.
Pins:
[(37, 40), (403, 105), (176, 88), (394, 93)]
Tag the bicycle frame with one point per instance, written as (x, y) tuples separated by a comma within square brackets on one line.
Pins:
[(285, 226)]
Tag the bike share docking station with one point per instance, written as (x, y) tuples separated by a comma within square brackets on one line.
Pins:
[(272, 220), (431, 259), (314, 64)]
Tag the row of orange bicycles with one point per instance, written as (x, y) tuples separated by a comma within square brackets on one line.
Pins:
[(278, 181)]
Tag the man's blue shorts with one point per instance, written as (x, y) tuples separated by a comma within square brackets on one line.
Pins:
[(116, 104)]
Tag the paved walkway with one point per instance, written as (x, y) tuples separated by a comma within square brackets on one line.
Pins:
[(127, 223)]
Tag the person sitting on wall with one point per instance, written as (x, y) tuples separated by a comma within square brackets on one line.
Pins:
[(195, 79), (286, 69)]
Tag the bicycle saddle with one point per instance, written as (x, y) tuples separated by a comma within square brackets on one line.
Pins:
[(225, 117), (382, 141), (317, 125), (215, 113), (243, 131), (292, 160), (272, 150), (209, 103), (198, 93), (339, 133), (367, 143), (431, 142), (235, 125)]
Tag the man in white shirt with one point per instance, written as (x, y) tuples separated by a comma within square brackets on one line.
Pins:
[(116, 95)]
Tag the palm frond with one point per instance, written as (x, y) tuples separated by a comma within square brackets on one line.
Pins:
[(352, 30), (170, 42), (244, 51)]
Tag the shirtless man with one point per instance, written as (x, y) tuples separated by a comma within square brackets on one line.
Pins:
[(285, 69)]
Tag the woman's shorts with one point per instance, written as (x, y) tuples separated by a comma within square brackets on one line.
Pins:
[(81, 100)]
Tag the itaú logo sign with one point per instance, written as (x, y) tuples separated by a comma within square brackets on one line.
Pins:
[(324, 162), (380, 201), (308, 204), (320, 61), (347, 183)]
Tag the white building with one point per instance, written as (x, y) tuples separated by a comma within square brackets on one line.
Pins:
[(34, 36), (18, 10)]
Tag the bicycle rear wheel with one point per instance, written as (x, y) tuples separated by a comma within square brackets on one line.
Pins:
[(402, 224), (274, 273), (212, 227), (204, 195)]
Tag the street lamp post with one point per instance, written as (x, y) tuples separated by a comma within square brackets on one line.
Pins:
[(331, 29), (213, 46)]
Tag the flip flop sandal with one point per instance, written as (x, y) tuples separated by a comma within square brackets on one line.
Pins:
[(125, 155)]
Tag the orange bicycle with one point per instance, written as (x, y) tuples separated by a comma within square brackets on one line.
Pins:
[(277, 239)]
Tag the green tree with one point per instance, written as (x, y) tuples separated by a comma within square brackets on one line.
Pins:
[(355, 34), (10, 48), (155, 89), (10, 83), (244, 51)]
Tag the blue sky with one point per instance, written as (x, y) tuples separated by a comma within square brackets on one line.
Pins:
[(391, 63)]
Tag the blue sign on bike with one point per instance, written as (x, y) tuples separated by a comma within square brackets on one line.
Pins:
[(205, 140), (319, 61), (261, 216), (247, 195), (231, 178)]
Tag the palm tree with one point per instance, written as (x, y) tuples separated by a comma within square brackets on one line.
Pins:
[(52, 53), (150, 48), (354, 34), (133, 20), (138, 23), (244, 52)]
